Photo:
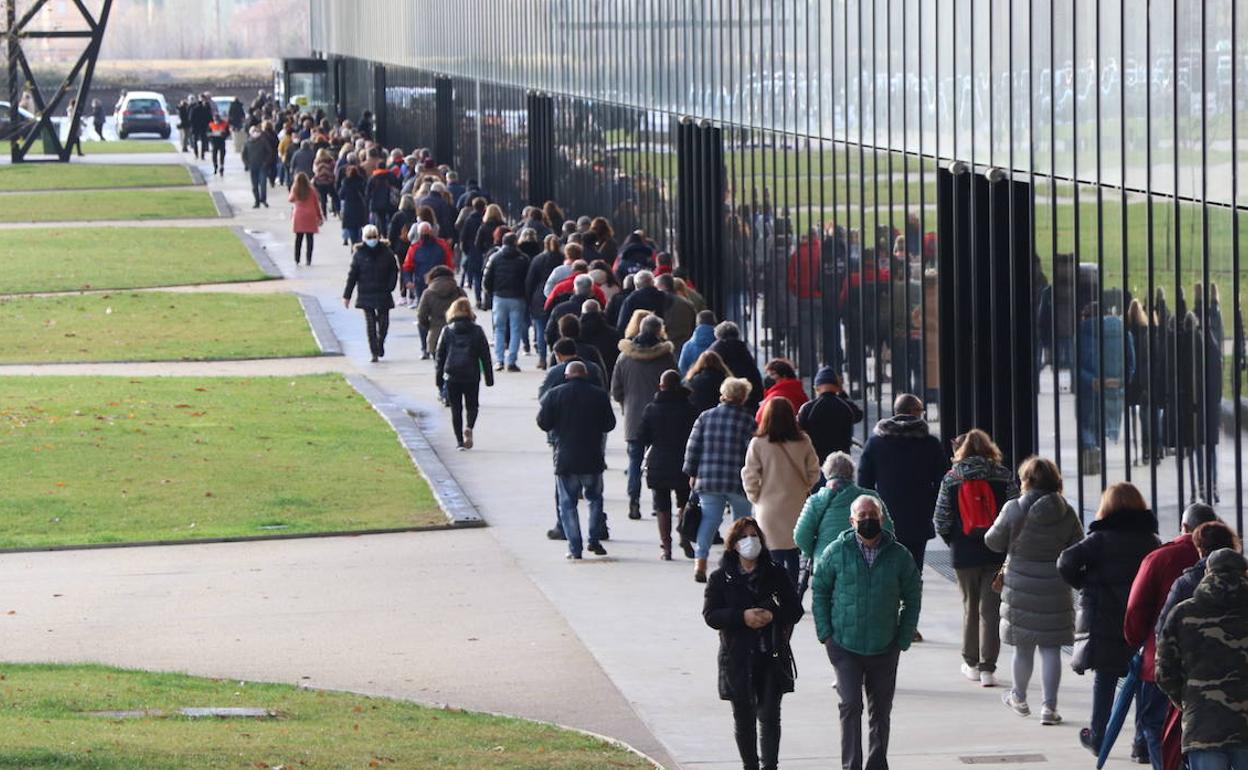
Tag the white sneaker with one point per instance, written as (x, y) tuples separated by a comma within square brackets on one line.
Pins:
[(987, 679), (1019, 707), (1050, 716), (970, 672)]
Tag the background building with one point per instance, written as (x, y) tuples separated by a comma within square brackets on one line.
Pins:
[(963, 198)]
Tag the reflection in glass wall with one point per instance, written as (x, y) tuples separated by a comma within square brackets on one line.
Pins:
[(836, 115)]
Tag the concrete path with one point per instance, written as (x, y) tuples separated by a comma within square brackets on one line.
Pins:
[(494, 618)]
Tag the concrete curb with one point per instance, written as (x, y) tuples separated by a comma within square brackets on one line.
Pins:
[(170, 361), (224, 210), (446, 490), (321, 328), (258, 252), (197, 176), (227, 539)]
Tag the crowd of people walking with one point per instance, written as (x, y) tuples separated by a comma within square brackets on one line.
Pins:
[(710, 434)]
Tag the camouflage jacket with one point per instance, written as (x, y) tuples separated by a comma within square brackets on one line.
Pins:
[(1202, 661)]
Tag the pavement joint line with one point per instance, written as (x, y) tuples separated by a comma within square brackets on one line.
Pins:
[(459, 509), (170, 361), (197, 176), (229, 539), (321, 328), (123, 188), (258, 252), (224, 210), (224, 287)]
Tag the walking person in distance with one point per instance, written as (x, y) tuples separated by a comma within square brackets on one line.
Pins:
[(374, 272), (463, 358)]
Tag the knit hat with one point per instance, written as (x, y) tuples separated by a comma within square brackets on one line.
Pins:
[(827, 376), (1226, 560)]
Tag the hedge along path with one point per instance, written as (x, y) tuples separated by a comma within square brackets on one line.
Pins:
[(33, 177), (130, 459), (77, 259)]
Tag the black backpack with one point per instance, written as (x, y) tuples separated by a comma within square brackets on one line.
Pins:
[(461, 359)]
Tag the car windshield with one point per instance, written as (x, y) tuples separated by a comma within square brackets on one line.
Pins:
[(143, 105)]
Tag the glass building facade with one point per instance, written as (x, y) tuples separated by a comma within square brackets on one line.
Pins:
[(1027, 211)]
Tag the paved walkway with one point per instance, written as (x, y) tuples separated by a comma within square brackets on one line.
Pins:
[(495, 618)]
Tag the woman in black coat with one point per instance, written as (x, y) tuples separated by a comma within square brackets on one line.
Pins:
[(703, 380), (752, 603), (354, 210), (1102, 567), (665, 425), (463, 357), (739, 359), (374, 272)]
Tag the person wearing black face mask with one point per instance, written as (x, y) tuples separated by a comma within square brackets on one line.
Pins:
[(867, 593)]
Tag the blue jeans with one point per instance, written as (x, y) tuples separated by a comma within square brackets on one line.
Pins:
[(538, 322), (713, 504), (353, 235), (508, 313), (259, 191), (1235, 758), (1151, 706), (636, 454), (571, 487), (787, 558)]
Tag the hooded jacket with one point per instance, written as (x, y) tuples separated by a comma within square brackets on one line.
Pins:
[(635, 378), (1202, 663), (829, 420), (1102, 567), (665, 426), (866, 610), (702, 339), (968, 549), (826, 515), (729, 593), (1037, 606), (375, 272), (905, 463), (434, 302)]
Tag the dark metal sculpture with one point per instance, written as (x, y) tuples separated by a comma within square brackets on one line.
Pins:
[(14, 31)]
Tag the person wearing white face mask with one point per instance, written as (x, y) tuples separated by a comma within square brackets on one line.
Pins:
[(752, 603), (375, 272)]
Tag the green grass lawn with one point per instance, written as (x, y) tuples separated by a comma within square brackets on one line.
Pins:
[(153, 326), (111, 147), (80, 176), (106, 205), (122, 459), (44, 723), (71, 259)]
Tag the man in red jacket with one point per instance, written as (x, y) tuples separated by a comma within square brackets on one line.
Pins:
[(1152, 584)]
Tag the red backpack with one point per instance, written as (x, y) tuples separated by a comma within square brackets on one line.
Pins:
[(977, 505)]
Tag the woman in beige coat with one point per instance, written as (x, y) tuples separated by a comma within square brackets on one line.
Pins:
[(780, 468)]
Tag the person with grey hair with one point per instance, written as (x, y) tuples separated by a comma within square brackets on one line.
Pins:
[(583, 289), (436, 199), (374, 272), (645, 296), (577, 415), (739, 359), (714, 457), (867, 593), (826, 513), (634, 381), (597, 332)]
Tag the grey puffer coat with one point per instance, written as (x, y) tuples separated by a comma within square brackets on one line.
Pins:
[(1036, 604)]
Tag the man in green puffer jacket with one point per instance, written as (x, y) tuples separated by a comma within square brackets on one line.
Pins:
[(867, 594)]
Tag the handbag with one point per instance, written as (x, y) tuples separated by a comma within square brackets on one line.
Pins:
[(690, 518)]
